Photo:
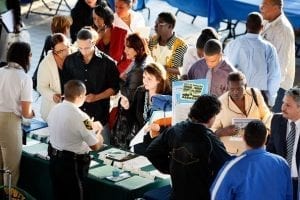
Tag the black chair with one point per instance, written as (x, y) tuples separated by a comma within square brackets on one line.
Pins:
[(58, 2)]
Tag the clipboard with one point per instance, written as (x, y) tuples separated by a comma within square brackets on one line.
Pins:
[(8, 21)]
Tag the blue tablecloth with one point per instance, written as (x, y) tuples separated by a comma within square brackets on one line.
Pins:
[(191, 7), (220, 10)]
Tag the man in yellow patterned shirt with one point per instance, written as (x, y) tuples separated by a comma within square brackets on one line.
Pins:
[(165, 47)]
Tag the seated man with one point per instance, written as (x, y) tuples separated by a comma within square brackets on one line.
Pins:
[(239, 102), (213, 67)]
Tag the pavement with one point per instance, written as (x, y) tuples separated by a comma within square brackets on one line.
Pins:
[(39, 26)]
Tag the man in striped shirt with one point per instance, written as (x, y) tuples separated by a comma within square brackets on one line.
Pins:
[(256, 174)]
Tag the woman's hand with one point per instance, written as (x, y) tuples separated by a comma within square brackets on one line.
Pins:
[(124, 102), (227, 131), (57, 98)]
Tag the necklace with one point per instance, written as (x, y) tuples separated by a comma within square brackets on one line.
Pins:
[(147, 107)]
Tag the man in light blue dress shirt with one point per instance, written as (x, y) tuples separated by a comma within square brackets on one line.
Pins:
[(256, 58)]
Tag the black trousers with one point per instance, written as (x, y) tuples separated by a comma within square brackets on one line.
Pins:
[(68, 175), (295, 190)]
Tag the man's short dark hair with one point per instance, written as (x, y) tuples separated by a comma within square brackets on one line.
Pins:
[(212, 47), (168, 18), (255, 134), (206, 34), (204, 108), (254, 22), (84, 34), (73, 89)]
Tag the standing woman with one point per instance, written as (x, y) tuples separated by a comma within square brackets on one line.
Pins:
[(82, 15), (136, 49), (15, 103), (14, 5), (155, 82), (111, 38), (5, 6), (48, 77), (126, 18)]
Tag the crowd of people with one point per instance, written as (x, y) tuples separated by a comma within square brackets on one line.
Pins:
[(96, 54)]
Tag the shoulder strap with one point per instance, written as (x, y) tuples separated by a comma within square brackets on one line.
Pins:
[(254, 96)]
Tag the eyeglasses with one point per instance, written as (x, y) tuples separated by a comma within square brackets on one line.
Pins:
[(61, 50), (160, 23)]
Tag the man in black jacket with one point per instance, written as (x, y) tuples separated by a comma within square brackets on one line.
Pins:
[(285, 130), (190, 152)]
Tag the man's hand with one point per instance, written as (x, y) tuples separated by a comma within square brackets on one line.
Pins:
[(90, 98)]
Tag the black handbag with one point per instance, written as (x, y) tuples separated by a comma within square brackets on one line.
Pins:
[(122, 130)]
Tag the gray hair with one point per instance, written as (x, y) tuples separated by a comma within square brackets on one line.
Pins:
[(295, 94)]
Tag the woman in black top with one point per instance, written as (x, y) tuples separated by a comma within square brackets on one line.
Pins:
[(136, 50), (82, 15), (155, 82)]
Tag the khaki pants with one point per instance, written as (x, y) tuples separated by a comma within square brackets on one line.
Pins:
[(10, 145)]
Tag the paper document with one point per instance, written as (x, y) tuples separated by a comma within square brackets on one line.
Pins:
[(139, 137), (134, 182), (136, 163), (101, 172), (8, 21), (241, 122)]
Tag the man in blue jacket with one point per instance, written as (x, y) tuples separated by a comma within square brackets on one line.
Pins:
[(256, 174)]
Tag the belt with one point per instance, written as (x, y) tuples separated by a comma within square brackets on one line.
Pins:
[(66, 154)]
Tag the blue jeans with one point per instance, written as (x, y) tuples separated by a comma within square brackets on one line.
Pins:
[(278, 102)]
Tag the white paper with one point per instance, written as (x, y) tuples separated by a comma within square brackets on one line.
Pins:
[(139, 137), (241, 122), (158, 174), (136, 163), (8, 20)]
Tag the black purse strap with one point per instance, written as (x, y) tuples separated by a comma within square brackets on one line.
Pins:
[(254, 97)]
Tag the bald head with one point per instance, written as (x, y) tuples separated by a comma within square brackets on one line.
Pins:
[(254, 22)]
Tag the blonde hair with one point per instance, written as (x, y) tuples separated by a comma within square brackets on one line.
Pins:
[(60, 23)]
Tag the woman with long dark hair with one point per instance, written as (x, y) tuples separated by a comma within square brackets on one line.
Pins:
[(136, 49)]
